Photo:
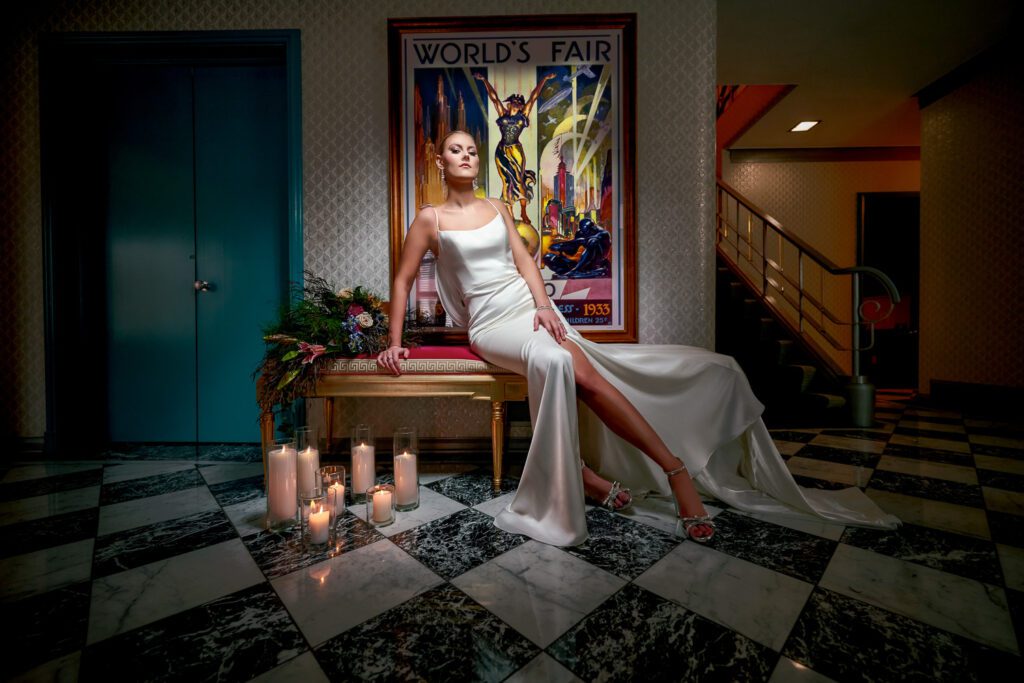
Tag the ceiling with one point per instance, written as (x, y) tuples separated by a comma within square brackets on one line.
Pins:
[(856, 64)]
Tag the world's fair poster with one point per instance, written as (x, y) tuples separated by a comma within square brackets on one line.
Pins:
[(550, 102)]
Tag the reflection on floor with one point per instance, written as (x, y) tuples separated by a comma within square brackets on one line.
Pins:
[(145, 566)]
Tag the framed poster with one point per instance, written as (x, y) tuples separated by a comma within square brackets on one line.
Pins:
[(551, 102)]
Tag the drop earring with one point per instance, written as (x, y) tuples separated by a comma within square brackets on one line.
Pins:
[(442, 177), (475, 186)]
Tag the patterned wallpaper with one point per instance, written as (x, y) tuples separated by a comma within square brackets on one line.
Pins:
[(817, 201), (344, 76), (972, 242)]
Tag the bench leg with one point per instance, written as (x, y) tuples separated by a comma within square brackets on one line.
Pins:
[(497, 439), (266, 439), (328, 422)]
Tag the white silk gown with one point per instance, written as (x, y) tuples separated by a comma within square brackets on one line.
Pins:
[(699, 403)]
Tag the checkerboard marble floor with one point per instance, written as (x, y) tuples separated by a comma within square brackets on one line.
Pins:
[(153, 567)]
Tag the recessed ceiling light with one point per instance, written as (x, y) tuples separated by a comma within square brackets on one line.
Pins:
[(803, 126)]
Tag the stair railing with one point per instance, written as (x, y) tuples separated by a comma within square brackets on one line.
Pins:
[(789, 276)]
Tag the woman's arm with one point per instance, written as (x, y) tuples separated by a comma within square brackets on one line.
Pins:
[(498, 106), (417, 241), (535, 94), (527, 267)]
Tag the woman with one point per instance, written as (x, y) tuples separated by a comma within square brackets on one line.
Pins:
[(513, 116), (690, 411)]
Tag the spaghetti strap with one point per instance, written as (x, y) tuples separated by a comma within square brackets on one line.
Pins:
[(437, 221), (488, 200)]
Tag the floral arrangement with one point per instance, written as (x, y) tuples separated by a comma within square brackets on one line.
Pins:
[(321, 325)]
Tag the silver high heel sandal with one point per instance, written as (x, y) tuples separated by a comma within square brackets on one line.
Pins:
[(691, 523), (613, 494)]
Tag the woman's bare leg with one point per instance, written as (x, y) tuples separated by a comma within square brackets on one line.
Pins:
[(625, 420)]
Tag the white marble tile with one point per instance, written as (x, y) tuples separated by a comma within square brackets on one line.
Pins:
[(757, 602), (218, 474), (334, 595), (145, 594), (61, 670), (965, 474), (809, 526), (144, 511), (932, 412), (495, 505), (932, 426), (1012, 559), (977, 422), (44, 570), (935, 514), (851, 475), (963, 606), (1001, 500), (539, 590), (789, 447), (1001, 441), (439, 471), (302, 668), (788, 671), (47, 469), (991, 462), (137, 470), (928, 442), (249, 517), (37, 507), (849, 443), (432, 506), (543, 668), (659, 512)]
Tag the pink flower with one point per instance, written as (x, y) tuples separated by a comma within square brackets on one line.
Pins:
[(312, 351), (355, 309)]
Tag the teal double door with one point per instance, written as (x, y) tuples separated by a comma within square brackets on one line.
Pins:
[(195, 253)]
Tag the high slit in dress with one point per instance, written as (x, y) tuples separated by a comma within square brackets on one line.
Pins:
[(699, 402)]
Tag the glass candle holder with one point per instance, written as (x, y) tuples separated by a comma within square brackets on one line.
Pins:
[(364, 464), (307, 459), (281, 484), (380, 504), (407, 480), (333, 478), (316, 517)]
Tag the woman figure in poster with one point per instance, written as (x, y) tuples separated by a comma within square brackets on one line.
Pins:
[(513, 116), (659, 418)]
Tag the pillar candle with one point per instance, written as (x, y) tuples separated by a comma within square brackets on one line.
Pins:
[(309, 469), (282, 490), (318, 524), (363, 468), (336, 497), (381, 506), (406, 484)]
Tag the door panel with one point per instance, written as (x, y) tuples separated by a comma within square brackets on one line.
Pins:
[(150, 241), (241, 237)]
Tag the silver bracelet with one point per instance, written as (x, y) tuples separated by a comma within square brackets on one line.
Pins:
[(545, 308)]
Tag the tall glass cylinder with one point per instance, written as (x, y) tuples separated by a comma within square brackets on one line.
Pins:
[(333, 477), (407, 480), (316, 517), (364, 465), (282, 496), (308, 459)]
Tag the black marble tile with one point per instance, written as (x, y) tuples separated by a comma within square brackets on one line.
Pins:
[(966, 556), (440, 635), (929, 454), (1005, 528), (846, 640), (637, 636), (815, 483), (472, 488), (1001, 480), (455, 544), (229, 452), (621, 546), (930, 434), (233, 638), (150, 451), (155, 485), (998, 451), (42, 486), (866, 434), (935, 419), (1015, 601), (136, 547), (238, 490), (44, 627), (839, 455), (281, 552), (37, 534), (800, 555), (927, 487), (787, 435)]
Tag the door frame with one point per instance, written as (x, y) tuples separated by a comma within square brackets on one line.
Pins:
[(71, 376)]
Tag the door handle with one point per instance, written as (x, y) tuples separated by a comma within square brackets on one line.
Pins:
[(202, 286)]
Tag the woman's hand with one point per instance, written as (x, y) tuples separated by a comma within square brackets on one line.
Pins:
[(551, 322), (391, 358)]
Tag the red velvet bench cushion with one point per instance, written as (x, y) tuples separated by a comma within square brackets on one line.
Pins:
[(422, 360)]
